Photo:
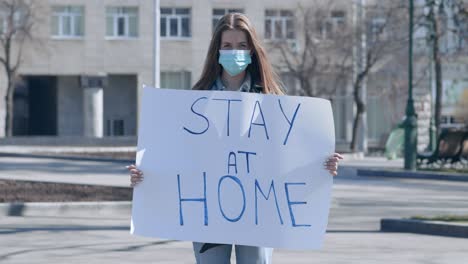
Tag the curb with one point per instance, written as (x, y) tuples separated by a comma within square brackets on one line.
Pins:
[(65, 157), (413, 175), (424, 227), (65, 208), (353, 156)]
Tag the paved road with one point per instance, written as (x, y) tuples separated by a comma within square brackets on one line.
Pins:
[(87, 240), (352, 236)]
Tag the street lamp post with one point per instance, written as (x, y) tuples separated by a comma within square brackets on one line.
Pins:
[(428, 11), (410, 123)]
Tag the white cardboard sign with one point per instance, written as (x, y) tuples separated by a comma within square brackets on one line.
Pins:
[(233, 168)]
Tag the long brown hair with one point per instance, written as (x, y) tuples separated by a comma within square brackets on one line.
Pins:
[(260, 69)]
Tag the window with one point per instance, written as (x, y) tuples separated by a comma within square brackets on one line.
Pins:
[(175, 23), (338, 19), (378, 32), (4, 26), (420, 39), (176, 80), (218, 13), (122, 22), (333, 25), (68, 21), (279, 25), (115, 127)]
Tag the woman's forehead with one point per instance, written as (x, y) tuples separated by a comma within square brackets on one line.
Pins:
[(233, 35)]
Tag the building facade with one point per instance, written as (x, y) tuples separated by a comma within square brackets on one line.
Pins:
[(83, 72), (88, 60)]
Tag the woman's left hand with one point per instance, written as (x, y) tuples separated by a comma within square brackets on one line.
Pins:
[(332, 163)]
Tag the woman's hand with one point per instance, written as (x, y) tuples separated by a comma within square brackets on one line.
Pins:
[(332, 163), (136, 175)]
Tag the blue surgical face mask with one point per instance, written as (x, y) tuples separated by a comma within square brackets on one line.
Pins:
[(234, 61)]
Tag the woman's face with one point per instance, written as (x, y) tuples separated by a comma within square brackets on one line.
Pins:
[(234, 39)]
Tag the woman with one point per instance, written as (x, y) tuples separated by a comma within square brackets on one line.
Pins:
[(236, 61)]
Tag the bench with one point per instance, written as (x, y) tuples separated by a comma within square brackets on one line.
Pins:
[(449, 148), (462, 157)]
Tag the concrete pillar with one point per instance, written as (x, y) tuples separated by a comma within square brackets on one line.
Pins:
[(93, 105)]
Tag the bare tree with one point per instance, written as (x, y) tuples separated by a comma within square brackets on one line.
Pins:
[(383, 25), (329, 59), (434, 39), (17, 18), (436, 23), (316, 58), (460, 9)]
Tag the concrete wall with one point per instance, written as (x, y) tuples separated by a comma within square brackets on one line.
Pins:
[(94, 53), (69, 106), (120, 102)]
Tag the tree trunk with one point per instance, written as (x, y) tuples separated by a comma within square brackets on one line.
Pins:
[(361, 108), (307, 87), (10, 74), (9, 108), (438, 77), (357, 123)]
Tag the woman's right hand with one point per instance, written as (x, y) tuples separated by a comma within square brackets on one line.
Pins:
[(136, 175)]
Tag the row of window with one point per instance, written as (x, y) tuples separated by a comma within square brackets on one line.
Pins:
[(68, 22), (122, 22)]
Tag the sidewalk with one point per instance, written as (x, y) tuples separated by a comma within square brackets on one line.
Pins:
[(125, 153), (360, 161), (110, 162), (98, 153), (355, 164), (74, 171), (106, 165)]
